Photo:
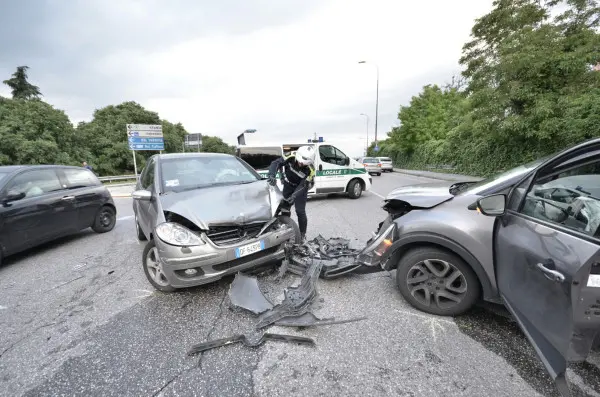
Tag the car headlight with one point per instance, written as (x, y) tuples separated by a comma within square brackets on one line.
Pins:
[(372, 254), (175, 234)]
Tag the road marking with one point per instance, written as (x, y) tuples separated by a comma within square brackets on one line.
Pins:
[(377, 194), (124, 218), (424, 317), (3, 307)]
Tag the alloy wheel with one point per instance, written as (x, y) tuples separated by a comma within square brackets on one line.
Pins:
[(434, 282), (155, 268)]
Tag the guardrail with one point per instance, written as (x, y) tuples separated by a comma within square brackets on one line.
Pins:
[(119, 178)]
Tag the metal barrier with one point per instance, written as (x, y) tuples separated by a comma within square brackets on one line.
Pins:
[(119, 178)]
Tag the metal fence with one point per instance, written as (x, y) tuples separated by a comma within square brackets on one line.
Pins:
[(118, 179)]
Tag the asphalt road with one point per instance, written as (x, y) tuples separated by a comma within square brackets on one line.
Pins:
[(79, 318)]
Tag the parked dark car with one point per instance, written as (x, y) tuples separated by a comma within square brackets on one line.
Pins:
[(41, 203), (529, 238), (206, 215)]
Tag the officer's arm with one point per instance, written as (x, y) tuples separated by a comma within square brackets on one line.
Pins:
[(276, 166), (307, 183)]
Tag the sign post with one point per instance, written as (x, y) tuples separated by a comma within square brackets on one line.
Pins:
[(144, 137)]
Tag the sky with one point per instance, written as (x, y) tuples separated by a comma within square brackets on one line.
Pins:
[(287, 68)]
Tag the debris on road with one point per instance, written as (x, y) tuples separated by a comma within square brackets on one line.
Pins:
[(204, 346), (297, 299), (244, 293), (308, 320), (334, 254)]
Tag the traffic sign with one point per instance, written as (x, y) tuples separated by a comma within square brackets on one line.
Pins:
[(376, 148), (145, 137)]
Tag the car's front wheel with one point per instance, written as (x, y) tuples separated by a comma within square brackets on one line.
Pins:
[(153, 268), (437, 281), (105, 220)]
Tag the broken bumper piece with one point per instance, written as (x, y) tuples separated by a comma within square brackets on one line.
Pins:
[(245, 293), (308, 320), (335, 256), (297, 300), (204, 346)]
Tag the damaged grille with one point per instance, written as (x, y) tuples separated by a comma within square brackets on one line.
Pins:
[(226, 235)]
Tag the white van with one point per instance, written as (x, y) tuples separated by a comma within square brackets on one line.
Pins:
[(336, 172)]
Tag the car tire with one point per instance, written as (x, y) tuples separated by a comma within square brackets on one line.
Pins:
[(464, 287), (140, 234), (152, 266), (355, 189), (379, 174), (286, 220), (105, 220)]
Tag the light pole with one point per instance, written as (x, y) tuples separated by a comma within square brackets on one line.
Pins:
[(367, 148), (376, 101)]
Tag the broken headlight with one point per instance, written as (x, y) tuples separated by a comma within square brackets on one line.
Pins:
[(175, 234), (371, 255)]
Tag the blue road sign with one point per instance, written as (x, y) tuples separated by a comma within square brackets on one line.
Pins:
[(376, 148), (136, 143)]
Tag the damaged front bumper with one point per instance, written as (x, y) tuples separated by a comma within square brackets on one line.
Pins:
[(202, 264), (376, 253)]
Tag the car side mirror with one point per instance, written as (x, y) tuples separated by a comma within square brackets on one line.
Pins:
[(494, 205), (347, 161), (142, 195), (13, 195)]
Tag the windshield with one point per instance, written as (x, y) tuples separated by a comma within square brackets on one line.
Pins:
[(497, 179), (178, 174), (260, 158), (2, 176)]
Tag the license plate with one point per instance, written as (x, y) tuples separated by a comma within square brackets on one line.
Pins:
[(594, 280), (249, 249)]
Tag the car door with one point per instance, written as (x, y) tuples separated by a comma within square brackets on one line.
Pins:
[(547, 262), (87, 192), (332, 171), (145, 212), (45, 212)]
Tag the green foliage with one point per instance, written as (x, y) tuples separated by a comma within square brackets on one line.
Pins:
[(531, 91), (21, 88), (213, 144)]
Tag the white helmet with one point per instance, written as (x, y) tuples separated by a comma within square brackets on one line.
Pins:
[(305, 155)]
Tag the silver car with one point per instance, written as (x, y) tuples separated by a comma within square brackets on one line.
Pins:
[(205, 216), (386, 164), (528, 238), (372, 165)]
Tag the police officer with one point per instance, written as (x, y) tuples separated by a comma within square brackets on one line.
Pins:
[(298, 178)]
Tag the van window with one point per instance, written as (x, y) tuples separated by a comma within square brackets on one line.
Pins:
[(332, 155), (259, 158)]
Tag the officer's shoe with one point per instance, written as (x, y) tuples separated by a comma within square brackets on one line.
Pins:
[(303, 239)]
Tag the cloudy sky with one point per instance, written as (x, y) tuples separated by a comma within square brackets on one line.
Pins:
[(287, 68)]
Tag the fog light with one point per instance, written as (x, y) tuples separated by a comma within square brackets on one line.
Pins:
[(190, 272)]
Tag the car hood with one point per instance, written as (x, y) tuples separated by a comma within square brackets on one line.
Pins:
[(424, 195), (233, 204)]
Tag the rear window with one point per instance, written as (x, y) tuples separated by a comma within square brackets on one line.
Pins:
[(369, 160), (259, 158), (386, 159), (80, 178)]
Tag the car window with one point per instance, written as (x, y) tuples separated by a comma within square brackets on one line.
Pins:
[(196, 172), (147, 178), (35, 183), (260, 158), (332, 155), (80, 178), (570, 198), (369, 160), (3, 175)]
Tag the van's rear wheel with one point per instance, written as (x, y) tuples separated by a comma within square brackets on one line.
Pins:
[(355, 189)]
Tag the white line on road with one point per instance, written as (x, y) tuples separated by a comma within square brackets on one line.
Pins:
[(424, 317), (377, 194), (124, 218), (3, 307)]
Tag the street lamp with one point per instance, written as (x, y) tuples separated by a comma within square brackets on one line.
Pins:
[(367, 148), (376, 101), (242, 139)]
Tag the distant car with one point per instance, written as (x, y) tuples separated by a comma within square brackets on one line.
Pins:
[(386, 164), (41, 203), (372, 165), (206, 215), (528, 238)]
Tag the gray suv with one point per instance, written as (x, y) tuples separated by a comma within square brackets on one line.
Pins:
[(529, 238), (206, 215)]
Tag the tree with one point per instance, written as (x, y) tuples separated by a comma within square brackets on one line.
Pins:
[(21, 88), (213, 144)]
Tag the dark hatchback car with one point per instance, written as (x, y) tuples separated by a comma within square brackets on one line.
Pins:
[(41, 203)]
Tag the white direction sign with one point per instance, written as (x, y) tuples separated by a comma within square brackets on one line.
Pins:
[(145, 130)]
